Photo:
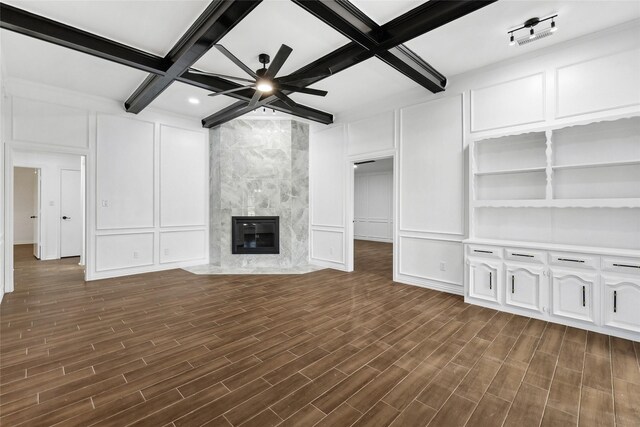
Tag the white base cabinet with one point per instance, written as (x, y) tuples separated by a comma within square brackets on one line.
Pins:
[(621, 302), (525, 286), (484, 277), (573, 295), (590, 290)]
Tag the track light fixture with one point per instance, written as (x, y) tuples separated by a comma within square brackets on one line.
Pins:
[(533, 34)]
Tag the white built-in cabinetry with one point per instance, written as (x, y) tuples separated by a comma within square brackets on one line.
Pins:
[(554, 225)]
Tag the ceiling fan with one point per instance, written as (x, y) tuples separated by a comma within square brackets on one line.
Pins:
[(264, 80)]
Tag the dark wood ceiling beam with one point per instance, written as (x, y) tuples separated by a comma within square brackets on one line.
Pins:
[(213, 24), (382, 41), (41, 28), (426, 17)]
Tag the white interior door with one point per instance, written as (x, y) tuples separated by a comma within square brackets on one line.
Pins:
[(70, 213), (36, 217)]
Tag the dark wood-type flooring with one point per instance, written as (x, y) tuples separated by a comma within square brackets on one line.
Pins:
[(327, 349)]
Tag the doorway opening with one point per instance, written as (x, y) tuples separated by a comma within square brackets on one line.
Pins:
[(47, 215), (373, 223)]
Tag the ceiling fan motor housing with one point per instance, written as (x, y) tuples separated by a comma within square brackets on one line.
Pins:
[(264, 58)]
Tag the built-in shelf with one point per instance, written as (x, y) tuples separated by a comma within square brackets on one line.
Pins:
[(596, 165), (511, 171), (559, 203)]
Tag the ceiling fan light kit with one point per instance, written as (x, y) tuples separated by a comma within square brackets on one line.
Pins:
[(532, 35), (264, 80)]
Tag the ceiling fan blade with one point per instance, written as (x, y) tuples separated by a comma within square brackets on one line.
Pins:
[(223, 50), (236, 89), (284, 98), (306, 90), (294, 78), (255, 99), (278, 61), (224, 76)]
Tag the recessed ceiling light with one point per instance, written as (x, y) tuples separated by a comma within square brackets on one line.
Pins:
[(194, 101)]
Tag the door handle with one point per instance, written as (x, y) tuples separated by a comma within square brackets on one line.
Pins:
[(33, 216), (513, 282), (490, 280), (615, 301), (66, 217), (583, 297)]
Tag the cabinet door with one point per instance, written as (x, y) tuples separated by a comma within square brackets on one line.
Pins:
[(621, 302), (483, 279), (524, 286), (573, 295)]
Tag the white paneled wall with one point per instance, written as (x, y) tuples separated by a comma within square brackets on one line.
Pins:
[(372, 134), (125, 181), (147, 179), (621, 71), (373, 206), (432, 168), (490, 111), (153, 205), (327, 182), (183, 179), (49, 123), (431, 210)]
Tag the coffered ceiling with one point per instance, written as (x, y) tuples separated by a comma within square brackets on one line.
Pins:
[(472, 41)]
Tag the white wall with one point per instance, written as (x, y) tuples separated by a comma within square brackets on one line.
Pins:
[(147, 181), (50, 166), (373, 206), (428, 135), (24, 205), (327, 185)]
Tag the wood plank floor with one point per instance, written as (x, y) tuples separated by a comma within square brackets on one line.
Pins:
[(326, 348)]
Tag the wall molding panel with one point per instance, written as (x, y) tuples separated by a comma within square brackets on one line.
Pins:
[(48, 123), (495, 106), (622, 87)]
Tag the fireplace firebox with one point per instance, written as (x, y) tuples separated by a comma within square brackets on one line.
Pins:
[(255, 235)]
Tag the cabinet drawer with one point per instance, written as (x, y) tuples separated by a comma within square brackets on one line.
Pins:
[(525, 255), (484, 251), (574, 260), (621, 265)]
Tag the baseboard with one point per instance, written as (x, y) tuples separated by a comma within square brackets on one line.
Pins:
[(430, 284), (373, 239), (122, 272), (328, 264)]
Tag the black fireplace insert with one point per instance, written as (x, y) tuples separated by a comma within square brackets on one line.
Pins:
[(255, 235)]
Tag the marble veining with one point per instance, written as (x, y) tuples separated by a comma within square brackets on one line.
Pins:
[(259, 167)]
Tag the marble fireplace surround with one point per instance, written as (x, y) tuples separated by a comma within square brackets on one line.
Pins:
[(259, 168)]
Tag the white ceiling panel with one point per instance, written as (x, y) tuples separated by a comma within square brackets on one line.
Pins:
[(480, 38), (150, 25), (42, 62), (370, 81), (383, 11), (271, 24), (176, 99)]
